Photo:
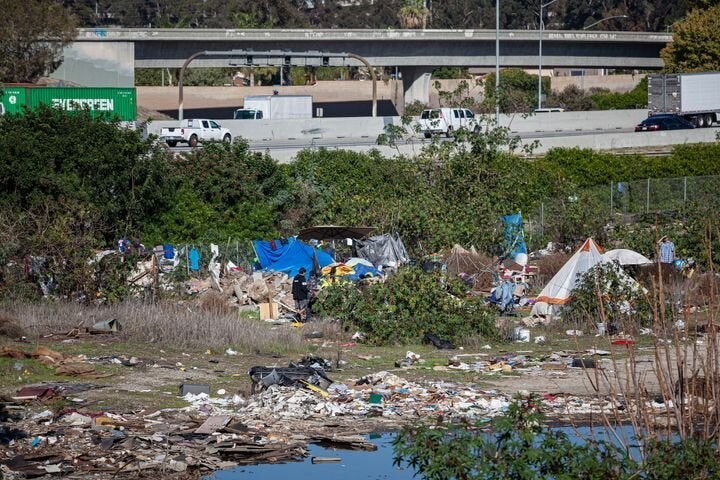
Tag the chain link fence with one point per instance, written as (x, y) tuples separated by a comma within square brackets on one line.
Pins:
[(620, 202)]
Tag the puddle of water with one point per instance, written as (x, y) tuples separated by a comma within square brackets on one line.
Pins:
[(355, 465), (377, 465)]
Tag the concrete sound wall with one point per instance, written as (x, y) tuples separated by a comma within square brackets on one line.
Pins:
[(605, 141), (298, 129), (369, 127)]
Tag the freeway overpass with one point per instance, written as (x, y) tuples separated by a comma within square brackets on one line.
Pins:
[(415, 52)]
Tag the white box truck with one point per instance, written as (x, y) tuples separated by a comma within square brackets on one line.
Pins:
[(692, 96), (272, 107)]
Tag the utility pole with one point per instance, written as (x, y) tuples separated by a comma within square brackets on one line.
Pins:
[(542, 25), (497, 62)]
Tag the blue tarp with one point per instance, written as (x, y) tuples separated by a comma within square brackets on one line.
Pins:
[(363, 271), (514, 241), (288, 256)]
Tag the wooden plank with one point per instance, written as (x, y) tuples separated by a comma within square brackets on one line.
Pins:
[(213, 424)]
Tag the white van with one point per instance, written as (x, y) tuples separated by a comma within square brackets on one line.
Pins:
[(447, 121)]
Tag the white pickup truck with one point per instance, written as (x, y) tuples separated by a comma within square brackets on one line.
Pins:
[(194, 131)]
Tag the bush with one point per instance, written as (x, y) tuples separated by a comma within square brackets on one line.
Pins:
[(518, 90), (606, 293), (406, 307), (635, 98), (572, 98), (521, 447)]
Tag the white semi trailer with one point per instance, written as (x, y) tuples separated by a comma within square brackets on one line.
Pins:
[(271, 107), (692, 96)]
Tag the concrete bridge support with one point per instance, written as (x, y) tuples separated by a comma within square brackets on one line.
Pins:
[(416, 83)]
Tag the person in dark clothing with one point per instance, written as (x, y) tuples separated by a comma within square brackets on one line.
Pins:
[(300, 294), (312, 294)]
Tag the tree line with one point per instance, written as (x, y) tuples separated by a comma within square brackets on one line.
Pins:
[(646, 15)]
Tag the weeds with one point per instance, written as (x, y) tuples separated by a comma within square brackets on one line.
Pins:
[(166, 324)]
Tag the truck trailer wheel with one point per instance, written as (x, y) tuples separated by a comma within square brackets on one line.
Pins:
[(709, 119), (227, 138), (171, 143), (193, 141), (699, 121)]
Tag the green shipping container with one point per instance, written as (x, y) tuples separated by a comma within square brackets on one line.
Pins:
[(12, 100), (110, 102)]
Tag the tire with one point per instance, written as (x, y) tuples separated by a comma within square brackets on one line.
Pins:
[(476, 130), (193, 141), (171, 143), (449, 132), (709, 119), (700, 121), (428, 135), (227, 138)]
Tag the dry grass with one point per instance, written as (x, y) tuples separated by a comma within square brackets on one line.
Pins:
[(9, 325), (329, 329), (674, 395), (166, 324), (478, 266)]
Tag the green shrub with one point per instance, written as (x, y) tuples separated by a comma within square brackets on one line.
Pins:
[(408, 305), (635, 98), (521, 447), (606, 291)]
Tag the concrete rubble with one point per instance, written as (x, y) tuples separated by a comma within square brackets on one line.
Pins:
[(245, 290)]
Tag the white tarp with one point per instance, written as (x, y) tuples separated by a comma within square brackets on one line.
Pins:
[(626, 257)]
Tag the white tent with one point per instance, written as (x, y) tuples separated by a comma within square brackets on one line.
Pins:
[(559, 289), (626, 257)]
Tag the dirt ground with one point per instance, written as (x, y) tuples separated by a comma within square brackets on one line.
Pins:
[(154, 379)]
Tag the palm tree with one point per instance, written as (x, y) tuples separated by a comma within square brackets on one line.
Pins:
[(413, 14)]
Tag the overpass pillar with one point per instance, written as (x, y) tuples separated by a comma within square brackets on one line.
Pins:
[(416, 83)]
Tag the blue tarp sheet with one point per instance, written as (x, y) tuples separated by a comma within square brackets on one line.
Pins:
[(277, 256), (363, 271), (514, 235)]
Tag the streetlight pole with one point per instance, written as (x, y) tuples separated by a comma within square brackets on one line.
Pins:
[(542, 25), (497, 63), (603, 20)]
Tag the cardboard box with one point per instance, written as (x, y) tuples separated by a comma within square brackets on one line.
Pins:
[(269, 311)]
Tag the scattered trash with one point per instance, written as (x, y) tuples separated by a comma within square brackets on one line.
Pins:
[(540, 339), (230, 352), (521, 335), (574, 333), (107, 326), (308, 373), (358, 336), (375, 398), (193, 389), (438, 342), (583, 363), (325, 459), (410, 359)]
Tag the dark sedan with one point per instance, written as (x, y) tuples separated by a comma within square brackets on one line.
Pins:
[(663, 122)]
